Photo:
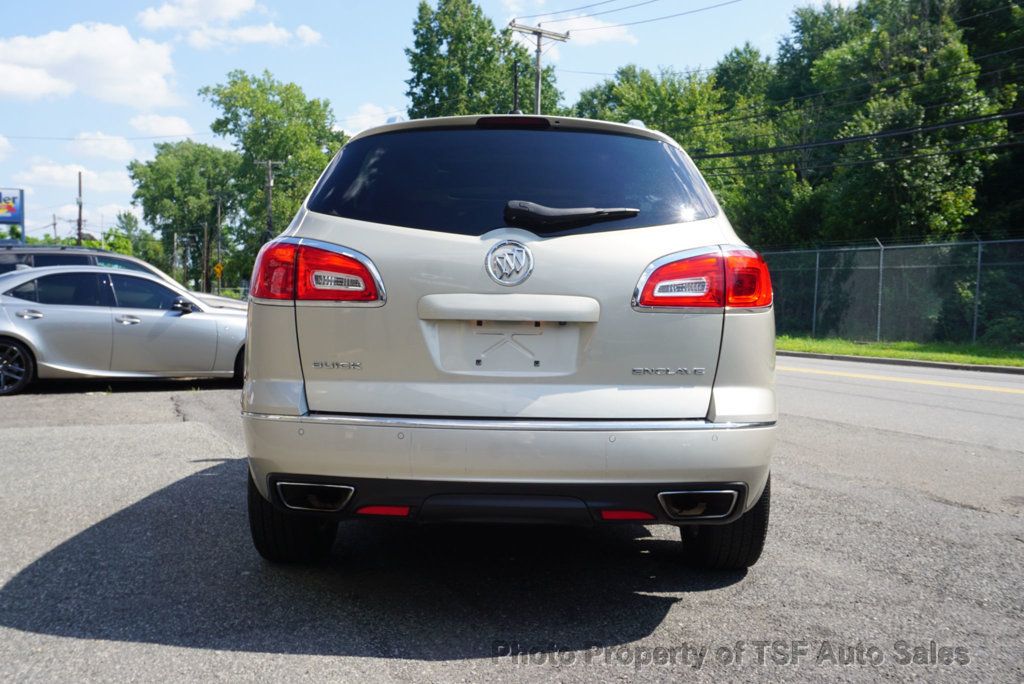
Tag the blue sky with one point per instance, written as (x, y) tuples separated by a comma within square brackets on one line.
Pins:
[(87, 85)]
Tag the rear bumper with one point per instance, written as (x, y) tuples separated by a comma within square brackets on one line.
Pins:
[(584, 460), (429, 501)]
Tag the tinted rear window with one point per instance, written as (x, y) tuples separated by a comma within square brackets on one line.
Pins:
[(459, 180), (41, 260)]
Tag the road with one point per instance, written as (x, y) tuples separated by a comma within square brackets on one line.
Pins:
[(898, 522)]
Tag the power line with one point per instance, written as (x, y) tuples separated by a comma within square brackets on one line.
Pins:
[(925, 106), (864, 138), (64, 138), (982, 14), (76, 139), (667, 16), (870, 82), (571, 9), (611, 11), (885, 91), (861, 162), (688, 72)]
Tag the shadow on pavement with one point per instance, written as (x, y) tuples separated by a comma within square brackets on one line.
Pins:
[(126, 386), (177, 568)]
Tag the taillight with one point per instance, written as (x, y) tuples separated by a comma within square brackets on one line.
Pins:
[(274, 273), (287, 270), (330, 276), (693, 281), (748, 283), (735, 277)]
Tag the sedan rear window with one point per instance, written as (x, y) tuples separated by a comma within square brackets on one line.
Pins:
[(459, 180)]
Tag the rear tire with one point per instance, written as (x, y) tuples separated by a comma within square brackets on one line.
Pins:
[(735, 546), (282, 537), (17, 366), (239, 376)]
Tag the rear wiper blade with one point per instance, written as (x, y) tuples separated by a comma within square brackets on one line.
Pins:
[(537, 216)]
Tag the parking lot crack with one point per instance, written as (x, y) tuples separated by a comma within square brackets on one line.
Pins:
[(179, 410)]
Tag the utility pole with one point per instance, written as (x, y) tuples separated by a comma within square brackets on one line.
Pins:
[(515, 87), (55, 227), (220, 272), (539, 33), (79, 208), (206, 255), (270, 164)]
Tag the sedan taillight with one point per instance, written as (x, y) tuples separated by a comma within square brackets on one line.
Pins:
[(734, 277), (287, 270)]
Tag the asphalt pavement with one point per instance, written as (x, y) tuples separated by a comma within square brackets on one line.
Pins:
[(896, 550)]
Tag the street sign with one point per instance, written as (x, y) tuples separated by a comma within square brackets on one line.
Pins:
[(218, 270), (12, 206)]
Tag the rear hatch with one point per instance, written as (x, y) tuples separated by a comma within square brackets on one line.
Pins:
[(427, 205)]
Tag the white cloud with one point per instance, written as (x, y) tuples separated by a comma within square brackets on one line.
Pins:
[(66, 175), (5, 147), (580, 32), (30, 83), (158, 125), (207, 37), (190, 13), (99, 60), (97, 144), (367, 115), (307, 35)]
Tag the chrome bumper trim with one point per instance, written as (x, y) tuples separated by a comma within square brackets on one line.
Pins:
[(554, 425)]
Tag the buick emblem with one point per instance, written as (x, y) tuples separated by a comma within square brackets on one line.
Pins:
[(509, 262)]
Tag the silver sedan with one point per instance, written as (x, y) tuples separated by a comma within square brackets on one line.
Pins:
[(65, 322)]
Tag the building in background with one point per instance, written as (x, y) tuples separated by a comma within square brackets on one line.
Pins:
[(12, 211)]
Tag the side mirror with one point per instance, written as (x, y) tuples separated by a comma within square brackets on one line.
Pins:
[(182, 306)]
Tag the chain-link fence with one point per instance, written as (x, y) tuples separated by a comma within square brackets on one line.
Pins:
[(236, 291), (955, 291)]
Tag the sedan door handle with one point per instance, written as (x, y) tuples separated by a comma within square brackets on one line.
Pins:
[(128, 320), (28, 314)]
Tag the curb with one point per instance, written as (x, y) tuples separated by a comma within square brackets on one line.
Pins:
[(1013, 370)]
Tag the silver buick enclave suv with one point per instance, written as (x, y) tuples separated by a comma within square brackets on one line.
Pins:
[(510, 319)]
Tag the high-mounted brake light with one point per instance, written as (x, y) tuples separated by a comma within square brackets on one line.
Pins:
[(515, 121), (287, 270), (734, 277)]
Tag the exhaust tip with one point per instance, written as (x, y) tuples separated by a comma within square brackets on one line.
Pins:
[(306, 496), (705, 504)]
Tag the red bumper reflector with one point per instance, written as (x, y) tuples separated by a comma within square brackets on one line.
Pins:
[(395, 511), (616, 514)]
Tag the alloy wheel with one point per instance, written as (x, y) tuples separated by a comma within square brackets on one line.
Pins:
[(13, 367)]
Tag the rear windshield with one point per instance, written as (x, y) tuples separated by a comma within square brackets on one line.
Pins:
[(459, 180)]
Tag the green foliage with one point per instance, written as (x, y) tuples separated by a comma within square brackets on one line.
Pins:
[(268, 120), (178, 191), (843, 72), (462, 65)]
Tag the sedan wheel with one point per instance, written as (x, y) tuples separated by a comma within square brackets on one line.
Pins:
[(15, 367)]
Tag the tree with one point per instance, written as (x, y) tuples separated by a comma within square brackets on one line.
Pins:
[(462, 65), (744, 72), (127, 236), (269, 120), (178, 191)]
